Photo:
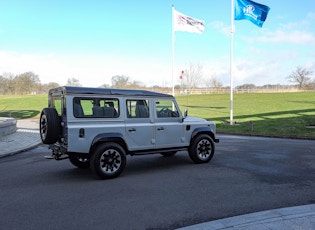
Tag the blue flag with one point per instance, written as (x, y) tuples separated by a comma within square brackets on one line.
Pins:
[(252, 11)]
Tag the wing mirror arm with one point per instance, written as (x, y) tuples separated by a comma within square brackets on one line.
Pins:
[(185, 114)]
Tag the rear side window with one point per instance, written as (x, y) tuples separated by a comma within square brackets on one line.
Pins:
[(56, 103), (137, 108), (95, 107)]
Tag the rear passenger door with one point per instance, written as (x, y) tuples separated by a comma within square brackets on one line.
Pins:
[(90, 116), (139, 127)]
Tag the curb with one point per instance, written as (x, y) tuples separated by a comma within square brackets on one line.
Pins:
[(297, 217), (25, 138)]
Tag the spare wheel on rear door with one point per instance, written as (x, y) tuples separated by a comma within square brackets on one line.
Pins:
[(49, 126)]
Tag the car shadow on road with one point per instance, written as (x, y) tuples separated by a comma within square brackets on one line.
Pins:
[(136, 165), (152, 163)]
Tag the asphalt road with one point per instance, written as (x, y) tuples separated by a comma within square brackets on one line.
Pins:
[(154, 192)]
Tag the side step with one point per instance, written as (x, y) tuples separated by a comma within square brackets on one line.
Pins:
[(49, 157), (57, 158), (145, 152)]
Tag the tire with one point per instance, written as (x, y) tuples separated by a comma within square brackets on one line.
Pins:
[(49, 126), (80, 162), (201, 149), (169, 154), (108, 160)]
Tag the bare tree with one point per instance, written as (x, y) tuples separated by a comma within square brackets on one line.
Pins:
[(311, 85), (26, 83), (213, 82), (7, 83), (300, 76), (73, 82), (246, 86), (136, 85), (120, 81), (104, 85), (46, 87), (192, 76)]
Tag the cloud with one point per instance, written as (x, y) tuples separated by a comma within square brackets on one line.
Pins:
[(91, 71), (221, 27), (298, 32), (49, 67), (292, 37)]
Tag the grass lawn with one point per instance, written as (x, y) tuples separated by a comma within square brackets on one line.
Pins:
[(21, 107), (272, 114)]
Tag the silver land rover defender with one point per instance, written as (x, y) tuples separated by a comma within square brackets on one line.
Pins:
[(97, 127)]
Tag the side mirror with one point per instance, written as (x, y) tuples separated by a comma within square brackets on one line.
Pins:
[(185, 115)]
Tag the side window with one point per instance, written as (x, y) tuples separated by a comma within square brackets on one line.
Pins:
[(137, 108), (57, 104), (95, 107), (166, 108)]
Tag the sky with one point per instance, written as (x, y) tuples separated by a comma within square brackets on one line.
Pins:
[(95, 40)]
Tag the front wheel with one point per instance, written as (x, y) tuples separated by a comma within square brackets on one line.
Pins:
[(108, 160), (201, 149)]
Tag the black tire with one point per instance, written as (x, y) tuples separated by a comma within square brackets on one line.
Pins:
[(108, 160), (201, 149), (49, 126), (80, 162), (169, 154)]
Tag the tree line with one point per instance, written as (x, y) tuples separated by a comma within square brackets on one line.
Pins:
[(25, 83), (191, 78)]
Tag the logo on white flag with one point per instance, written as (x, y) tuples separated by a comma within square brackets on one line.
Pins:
[(187, 24)]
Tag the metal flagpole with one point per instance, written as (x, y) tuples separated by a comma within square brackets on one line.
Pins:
[(231, 62), (173, 68)]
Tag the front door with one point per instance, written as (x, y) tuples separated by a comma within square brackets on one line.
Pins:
[(169, 131)]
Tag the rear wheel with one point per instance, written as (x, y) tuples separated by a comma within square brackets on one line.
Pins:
[(108, 160), (49, 126), (201, 149)]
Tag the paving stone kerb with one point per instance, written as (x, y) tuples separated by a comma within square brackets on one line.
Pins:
[(26, 137), (7, 126)]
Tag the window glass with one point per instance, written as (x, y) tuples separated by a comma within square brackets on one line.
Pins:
[(96, 107), (166, 108), (137, 108), (57, 105)]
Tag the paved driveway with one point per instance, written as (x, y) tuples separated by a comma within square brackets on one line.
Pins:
[(246, 175)]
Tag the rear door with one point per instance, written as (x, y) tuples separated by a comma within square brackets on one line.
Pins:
[(139, 126)]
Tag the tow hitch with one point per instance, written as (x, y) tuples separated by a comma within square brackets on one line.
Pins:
[(57, 153)]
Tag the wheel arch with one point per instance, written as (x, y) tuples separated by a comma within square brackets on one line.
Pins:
[(202, 130), (109, 137)]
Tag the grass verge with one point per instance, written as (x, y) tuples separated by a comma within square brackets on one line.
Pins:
[(272, 114)]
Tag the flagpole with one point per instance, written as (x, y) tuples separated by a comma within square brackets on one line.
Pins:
[(231, 62), (173, 38)]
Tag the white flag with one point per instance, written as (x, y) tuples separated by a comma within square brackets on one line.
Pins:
[(187, 24)]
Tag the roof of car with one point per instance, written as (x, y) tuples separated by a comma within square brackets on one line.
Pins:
[(106, 91)]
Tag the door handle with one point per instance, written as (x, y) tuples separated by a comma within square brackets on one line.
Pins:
[(160, 129), (132, 130)]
